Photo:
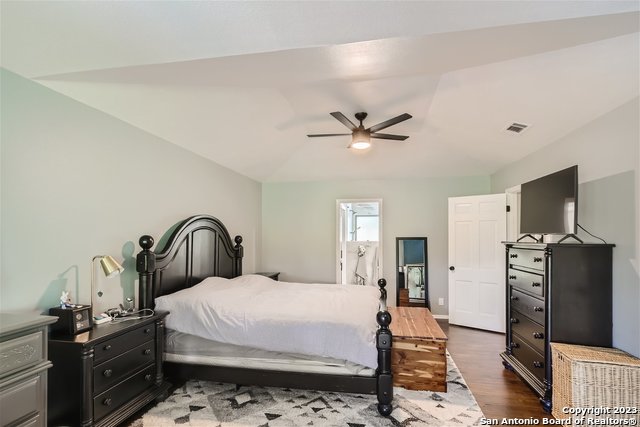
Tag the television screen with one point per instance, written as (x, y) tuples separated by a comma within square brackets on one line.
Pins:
[(549, 205)]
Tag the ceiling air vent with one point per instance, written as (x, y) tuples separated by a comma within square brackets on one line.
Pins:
[(517, 127)]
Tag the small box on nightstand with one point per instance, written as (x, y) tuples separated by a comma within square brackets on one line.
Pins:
[(71, 320)]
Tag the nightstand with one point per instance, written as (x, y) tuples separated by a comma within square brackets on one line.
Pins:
[(103, 376), (270, 275)]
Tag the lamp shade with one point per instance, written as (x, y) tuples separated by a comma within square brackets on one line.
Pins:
[(360, 140), (110, 266)]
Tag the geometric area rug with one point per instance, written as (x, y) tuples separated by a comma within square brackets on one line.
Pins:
[(213, 404)]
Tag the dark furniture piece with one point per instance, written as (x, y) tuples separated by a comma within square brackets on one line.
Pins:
[(103, 376), (411, 252), (23, 369), (200, 247), (270, 275), (555, 292)]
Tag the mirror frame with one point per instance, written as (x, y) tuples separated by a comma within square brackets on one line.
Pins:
[(427, 295)]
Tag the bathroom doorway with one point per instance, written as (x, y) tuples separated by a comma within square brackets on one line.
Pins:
[(359, 241)]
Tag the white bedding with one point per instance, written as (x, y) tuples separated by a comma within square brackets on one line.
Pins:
[(336, 321)]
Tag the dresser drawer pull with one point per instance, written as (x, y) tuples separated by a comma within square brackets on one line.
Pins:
[(537, 259), (107, 402), (148, 377), (515, 320), (538, 335), (107, 347), (514, 345), (512, 277), (536, 284), (514, 298), (146, 351), (538, 309), (147, 330), (107, 373), (513, 255), (538, 364)]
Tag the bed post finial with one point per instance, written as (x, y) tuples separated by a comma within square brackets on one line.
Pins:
[(145, 266), (384, 340), (239, 254)]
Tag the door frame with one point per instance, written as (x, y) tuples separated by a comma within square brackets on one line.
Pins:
[(338, 257)]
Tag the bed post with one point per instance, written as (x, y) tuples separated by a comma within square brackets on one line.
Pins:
[(239, 254), (383, 344), (145, 266)]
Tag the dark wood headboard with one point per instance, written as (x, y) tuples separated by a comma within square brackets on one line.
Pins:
[(199, 247)]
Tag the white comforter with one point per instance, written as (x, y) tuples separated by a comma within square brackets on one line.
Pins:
[(316, 319)]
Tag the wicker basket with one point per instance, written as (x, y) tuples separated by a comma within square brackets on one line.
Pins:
[(594, 377)]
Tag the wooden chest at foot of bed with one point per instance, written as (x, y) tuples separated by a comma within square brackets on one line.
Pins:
[(418, 354)]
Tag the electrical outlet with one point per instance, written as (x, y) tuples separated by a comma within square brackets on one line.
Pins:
[(440, 301)]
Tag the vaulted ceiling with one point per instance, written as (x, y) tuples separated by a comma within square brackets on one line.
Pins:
[(243, 83)]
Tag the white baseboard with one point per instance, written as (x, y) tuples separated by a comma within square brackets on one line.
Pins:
[(441, 316)]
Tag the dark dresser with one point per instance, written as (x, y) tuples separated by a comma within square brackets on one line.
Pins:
[(556, 292), (23, 369), (103, 376)]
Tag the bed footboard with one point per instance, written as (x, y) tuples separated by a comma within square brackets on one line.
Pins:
[(383, 344)]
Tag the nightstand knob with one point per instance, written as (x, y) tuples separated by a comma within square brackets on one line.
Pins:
[(147, 351), (514, 320), (514, 298), (107, 402), (107, 347), (538, 335), (147, 331), (536, 284), (108, 373), (537, 259), (538, 364), (514, 345), (512, 277), (538, 309), (148, 377)]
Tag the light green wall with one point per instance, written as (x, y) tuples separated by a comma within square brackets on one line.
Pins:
[(77, 183), (299, 225), (606, 152)]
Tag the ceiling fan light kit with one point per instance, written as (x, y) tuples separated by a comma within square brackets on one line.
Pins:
[(361, 137)]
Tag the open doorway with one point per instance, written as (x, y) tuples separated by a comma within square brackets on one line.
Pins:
[(359, 241)]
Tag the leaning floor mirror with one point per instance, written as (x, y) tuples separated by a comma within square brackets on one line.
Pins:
[(412, 278)]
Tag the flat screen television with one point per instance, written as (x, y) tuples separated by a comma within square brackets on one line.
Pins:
[(549, 205)]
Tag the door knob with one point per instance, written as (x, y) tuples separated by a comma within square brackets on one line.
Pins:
[(452, 268)]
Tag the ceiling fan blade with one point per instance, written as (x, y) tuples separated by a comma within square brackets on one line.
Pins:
[(328, 134), (343, 119), (388, 136), (390, 122)]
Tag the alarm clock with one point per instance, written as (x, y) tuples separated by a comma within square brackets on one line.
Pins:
[(71, 320)]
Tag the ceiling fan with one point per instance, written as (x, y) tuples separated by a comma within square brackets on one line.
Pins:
[(361, 137)]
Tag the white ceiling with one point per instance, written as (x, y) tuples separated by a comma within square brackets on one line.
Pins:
[(243, 83)]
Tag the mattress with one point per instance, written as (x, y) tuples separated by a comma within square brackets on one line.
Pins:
[(186, 348)]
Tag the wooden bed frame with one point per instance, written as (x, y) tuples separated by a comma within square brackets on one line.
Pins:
[(200, 247)]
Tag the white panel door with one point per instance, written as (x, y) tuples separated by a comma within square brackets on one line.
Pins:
[(477, 226)]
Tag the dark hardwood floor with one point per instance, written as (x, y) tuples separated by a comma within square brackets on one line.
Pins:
[(499, 392)]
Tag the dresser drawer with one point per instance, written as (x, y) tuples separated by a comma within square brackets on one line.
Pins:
[(22, 352), (122, 343), (126, 390), (528, 282), (529, 330), (530, 358), (22, 402), (112, 371), (528, 305), (529, 258)]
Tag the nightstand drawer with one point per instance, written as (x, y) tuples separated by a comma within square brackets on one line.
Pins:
[(119, 345), (129, 388), (112, 371), (20, 353)]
